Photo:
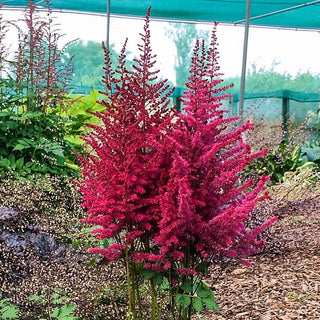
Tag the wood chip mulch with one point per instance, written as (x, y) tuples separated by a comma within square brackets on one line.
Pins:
[(284, 281)]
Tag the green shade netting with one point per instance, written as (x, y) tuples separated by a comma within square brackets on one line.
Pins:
[(228, 11)]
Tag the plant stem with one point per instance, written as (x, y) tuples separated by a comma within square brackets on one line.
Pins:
[(131, 305), (154, 301)]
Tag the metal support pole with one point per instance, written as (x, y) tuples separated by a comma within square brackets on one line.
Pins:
[(244, 59), (285, 117), (108, 23)]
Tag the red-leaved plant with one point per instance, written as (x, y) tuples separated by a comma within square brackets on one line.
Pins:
[(165, 185)]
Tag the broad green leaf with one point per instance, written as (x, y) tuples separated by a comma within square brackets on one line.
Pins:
[(148, 274), (211, 303), (12, 160), (56, 312), (4, 302), (203, 293), (157, 279), (4, 163), (20, 163), (186, 287), (184, 300), (197, 304), (10, 312)]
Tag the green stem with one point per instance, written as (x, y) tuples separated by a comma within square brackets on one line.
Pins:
[(154, 301), (135, 286), (129, 288)]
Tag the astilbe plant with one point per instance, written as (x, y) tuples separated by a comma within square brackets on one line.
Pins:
[(37, 66), (33, 83), (4, 27), (165, 185), (126, 168)]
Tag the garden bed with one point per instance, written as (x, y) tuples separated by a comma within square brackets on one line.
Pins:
[(282, 283)]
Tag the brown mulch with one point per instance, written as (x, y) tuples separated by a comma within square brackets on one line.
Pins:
[(284, 281)]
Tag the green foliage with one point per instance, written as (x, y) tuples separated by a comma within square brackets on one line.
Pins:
[(196, 296), (277, 162), (7, 310), (88, 62), (78, 113), (32, 135), (268, 80), (311, 152), (191, 295), (65, 312), (58, 297), (33, 142)]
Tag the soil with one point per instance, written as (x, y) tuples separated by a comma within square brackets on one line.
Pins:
[(283, 282)]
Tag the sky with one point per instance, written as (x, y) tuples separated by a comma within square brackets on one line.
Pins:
[(286, 51)]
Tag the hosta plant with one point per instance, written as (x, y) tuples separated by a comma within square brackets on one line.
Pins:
[(165, 185)]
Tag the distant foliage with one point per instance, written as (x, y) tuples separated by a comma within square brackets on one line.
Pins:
[(33, 84), (87, 63), (165, 185), (268, 80)]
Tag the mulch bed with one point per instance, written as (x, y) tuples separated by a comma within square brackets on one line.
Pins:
[(282, 283)]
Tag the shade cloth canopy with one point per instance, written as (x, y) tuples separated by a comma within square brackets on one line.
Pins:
[(279, 13)]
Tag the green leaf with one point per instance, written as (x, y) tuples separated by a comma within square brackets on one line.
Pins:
[(56, 312), (64, 312), (12, 160), (197, 304), (41, 299), (203, 294), (5, 163), (9, 312), (211, 303), (58, 299), (30, 115), (157, 279), (184, 300), (186, 287), (147, 274), (4, 302), (20, 147), (20, 163)]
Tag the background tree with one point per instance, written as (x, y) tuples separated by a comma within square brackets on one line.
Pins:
[(184, 36), (88, 62), (268, 80)]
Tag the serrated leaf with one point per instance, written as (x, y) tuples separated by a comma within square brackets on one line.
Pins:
[(67, 310), (10, 312), (211, 303), (147, 274), (197, 304), (203, 293), (55, 313), (4, 302), (186, 287), (184, 300)]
